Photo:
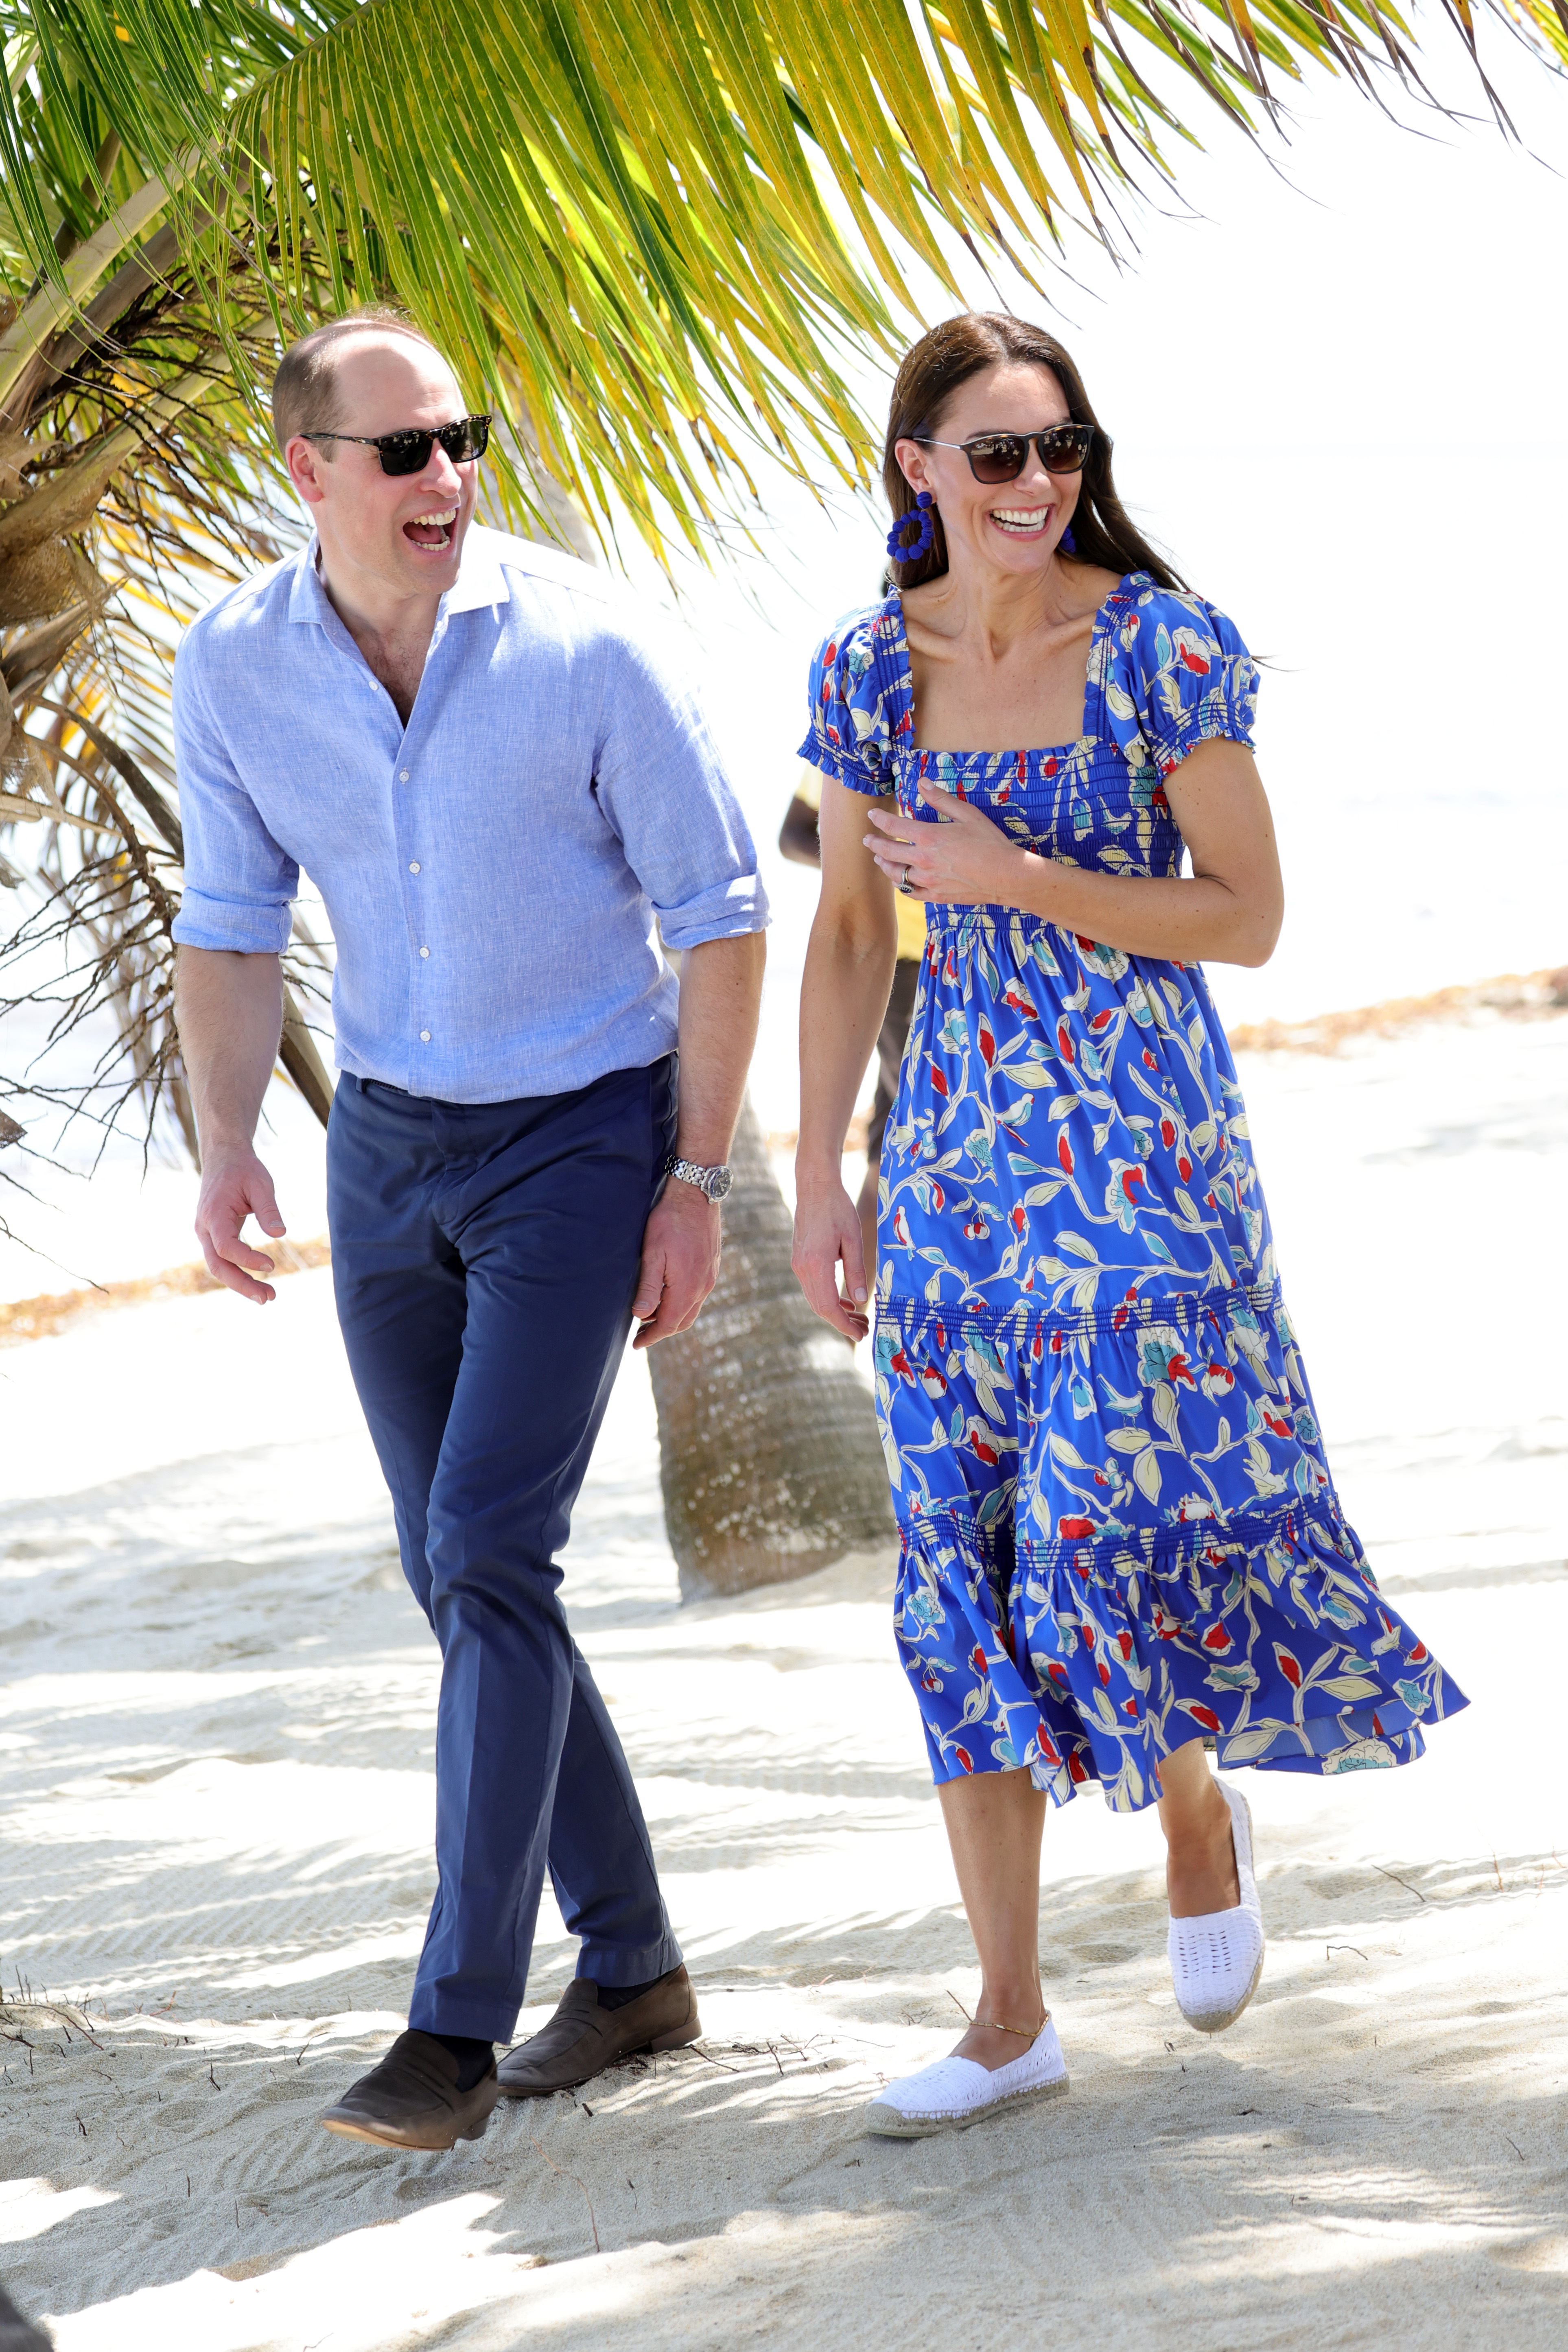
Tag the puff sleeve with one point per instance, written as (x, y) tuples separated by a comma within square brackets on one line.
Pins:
[(848, 737), (1176, 674)]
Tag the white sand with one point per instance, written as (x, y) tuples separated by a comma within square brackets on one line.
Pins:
[(215, 1735)]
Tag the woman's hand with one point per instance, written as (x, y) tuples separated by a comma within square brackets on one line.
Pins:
[(964, 861), (1227, 910), (827, 1235)]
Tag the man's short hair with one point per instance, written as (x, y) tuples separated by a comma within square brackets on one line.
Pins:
[(305, 388)]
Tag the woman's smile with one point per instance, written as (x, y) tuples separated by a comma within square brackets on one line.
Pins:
[(1021, 523)]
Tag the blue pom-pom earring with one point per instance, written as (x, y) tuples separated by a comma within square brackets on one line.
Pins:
[(1066, 544), (923, 522)]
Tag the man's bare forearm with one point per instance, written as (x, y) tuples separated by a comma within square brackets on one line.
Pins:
[(720, 991), (230, 1013), (230, 1009), (721, 994)]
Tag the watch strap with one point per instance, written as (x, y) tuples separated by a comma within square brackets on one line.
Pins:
[(714, 1183)]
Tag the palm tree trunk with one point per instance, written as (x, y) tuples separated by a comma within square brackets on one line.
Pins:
[(768, 1451)]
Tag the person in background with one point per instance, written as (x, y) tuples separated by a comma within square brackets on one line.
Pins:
[(799, 841)]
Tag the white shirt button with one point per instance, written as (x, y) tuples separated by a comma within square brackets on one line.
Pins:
[(403, 775), (423, 951), (424, 1036), (414, 866)]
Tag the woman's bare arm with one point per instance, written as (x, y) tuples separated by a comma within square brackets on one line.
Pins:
[(1228, 910), (843, 1002)]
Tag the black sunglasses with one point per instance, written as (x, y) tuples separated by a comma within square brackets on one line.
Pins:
[(1002, 456), (465, 438)]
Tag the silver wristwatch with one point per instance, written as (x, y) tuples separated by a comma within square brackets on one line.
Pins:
[(714, 1183)]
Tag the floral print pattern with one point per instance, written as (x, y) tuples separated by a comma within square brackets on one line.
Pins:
[(1119, 1528)]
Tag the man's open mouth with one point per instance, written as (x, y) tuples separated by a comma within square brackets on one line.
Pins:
[(432, 530)]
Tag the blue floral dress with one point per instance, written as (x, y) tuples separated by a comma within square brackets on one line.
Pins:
[(1119, 1528)]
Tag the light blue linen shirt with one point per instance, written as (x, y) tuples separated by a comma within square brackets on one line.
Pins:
[(491, 872)]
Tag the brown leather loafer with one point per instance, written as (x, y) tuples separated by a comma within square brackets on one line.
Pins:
[(412, 2099), (581, 2039)]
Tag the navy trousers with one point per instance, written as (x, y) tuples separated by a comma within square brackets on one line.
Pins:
[(484, 1258)]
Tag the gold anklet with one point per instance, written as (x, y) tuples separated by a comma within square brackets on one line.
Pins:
[(1029, 2033)]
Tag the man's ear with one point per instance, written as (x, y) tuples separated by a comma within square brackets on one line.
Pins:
[(305, 464)]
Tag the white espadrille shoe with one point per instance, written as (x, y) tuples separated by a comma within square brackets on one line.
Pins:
[(956, 2092), (1217, 1957)]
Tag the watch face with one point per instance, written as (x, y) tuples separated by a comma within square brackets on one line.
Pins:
[(719, 1184)]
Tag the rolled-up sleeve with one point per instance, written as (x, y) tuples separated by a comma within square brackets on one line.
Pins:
[(662, 786), (239, 885)]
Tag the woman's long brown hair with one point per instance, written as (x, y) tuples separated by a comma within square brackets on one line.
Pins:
[(930, 372)]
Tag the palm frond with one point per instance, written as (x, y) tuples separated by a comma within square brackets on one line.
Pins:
[(648, 237), (619, 221)]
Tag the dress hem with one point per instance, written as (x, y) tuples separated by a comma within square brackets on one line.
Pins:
[(1081, 1660)]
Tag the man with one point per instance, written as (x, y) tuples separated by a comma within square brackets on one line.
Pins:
[(799, 843), (485, 764)]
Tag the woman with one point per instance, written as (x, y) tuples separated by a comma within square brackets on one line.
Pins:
[(1119, 1536)]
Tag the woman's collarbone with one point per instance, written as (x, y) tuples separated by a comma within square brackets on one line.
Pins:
[(1033, 698)]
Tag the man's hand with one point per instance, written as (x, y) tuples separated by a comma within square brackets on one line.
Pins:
[(720, 986), (679, 1263), (230, 1011), (233, 1190)]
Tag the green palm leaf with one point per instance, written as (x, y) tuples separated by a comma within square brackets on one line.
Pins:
[(618, 220), (648, 237)]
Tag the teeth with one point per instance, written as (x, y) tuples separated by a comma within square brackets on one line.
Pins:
[(1013, 518), (448, 514)]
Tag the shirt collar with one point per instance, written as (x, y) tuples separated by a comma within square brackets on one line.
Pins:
[(308, 600), (482, 580), (481, 577)]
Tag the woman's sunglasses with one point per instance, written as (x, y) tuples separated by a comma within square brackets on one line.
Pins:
[(465, 438), (1002, 456)]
